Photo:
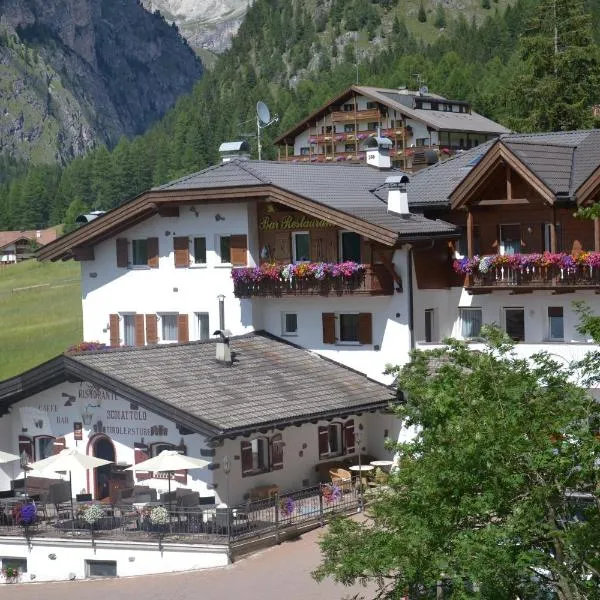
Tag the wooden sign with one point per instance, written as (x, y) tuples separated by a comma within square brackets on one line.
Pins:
[(289, 222), (78, 431)]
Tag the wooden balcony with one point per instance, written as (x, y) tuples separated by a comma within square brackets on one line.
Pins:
[(371, 114), (341, 137), (376, 281)]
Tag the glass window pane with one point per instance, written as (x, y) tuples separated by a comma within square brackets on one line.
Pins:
[(203, 326), (291, 323), (556, 322), (128, 330), (351, 246), (225, 246), (335, 439), (510, 239), (302, 247), (429, 324), (349, 328), (139, 249), (470, 322), (200, 251), (169, 328), (44, 448), (515, 323)]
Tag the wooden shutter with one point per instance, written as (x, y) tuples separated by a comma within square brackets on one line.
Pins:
[(59, 445), (114, 330), (140, 453), (276, 452), (323, 441), (152, 249), (365, 328), (122, 253), (139, 330), (328, 328), (26, 445), (283, 247), (181, 247), (349, 443), (183, 328), (239, 250), (181, 475), (151, 329), (246, 454)]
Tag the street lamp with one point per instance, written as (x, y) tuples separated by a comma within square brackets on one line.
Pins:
[(357, 441), (221, 299), (227, 470)]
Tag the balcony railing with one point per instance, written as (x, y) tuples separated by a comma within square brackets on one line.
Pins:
[(371, 114), (326, 279), (530, 271)]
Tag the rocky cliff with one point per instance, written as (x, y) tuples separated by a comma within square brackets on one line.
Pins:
[(78, 73)]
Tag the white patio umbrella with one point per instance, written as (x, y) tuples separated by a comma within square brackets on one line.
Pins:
[(6, 457), (169, 461), (69, 460)]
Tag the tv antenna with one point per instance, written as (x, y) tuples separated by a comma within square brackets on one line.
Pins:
[(263, 120)]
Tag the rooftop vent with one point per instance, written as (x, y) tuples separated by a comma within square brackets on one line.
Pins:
[(378, 152), (83, 219), (397, 195), (234, 151), (223, 351)]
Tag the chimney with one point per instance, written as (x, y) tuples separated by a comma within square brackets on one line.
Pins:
[(397, 195), (378, 152), (223, 351), (234, 151)]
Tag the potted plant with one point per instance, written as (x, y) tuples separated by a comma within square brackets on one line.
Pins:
[(11, 574), (92, 514)]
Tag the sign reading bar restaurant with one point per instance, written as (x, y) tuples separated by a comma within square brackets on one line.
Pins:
[(291, 222)]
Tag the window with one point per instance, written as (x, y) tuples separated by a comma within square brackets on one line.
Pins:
[(418, 103), (461, 244), (350, 246), (326, 129), (446, 107), (225, 248), (261, 455), (556, 325), (470, 323), (336, 439), (514, 323), (349, 128), (15, 563), (44, 447), (422, 142), (139, 253), (348, 107), (100, 568), (129, 330), (304, 151), (349, 148), (169, 327), (435, 106), (202, 326), (430, 335), (371, 105), (157, 448), (301, 246), (348, 327), (373, 125), (510, 239), (289, 323), (199, 250)]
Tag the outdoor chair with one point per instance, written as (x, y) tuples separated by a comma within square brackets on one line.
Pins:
[(59, 494), (341, 478)]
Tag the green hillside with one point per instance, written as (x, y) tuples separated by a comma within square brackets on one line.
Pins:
[(40, 313)]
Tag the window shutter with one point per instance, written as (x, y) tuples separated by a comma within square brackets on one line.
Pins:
[(276, 452), (25, 445), (151, 329), (349, 443), (239, 250), (181, 247), (114, 330), (181, 475), (122, 253), (59, 445), (246, 453), (183, 328), (329, 328), (140, 452), (139, 330), (365, 328), (323, 441), (152, 249)]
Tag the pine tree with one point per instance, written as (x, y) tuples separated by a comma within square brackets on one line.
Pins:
[(486, 4), (440, 16), (422, 15)]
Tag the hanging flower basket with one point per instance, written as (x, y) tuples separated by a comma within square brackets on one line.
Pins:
[(287, 506), (331, 493)]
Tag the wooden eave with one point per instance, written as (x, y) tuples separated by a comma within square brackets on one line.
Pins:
[(149, 203), (477, 177), (587, 191)]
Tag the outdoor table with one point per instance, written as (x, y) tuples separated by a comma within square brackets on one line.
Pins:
[(362, 468), (382, 464)]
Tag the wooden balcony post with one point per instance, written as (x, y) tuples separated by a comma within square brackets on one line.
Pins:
[(508, 184), (597, 234), (470, 234)]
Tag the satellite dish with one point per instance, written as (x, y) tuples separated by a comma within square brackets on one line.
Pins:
[(423, 90), (263, 113)]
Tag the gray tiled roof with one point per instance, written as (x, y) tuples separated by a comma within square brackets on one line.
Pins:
[(346, 188), (269, 382)]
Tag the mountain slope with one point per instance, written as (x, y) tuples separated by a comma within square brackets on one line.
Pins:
[(79, 73)]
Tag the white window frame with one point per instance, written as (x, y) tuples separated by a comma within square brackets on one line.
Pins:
[(284, 330), (294, 235), (161, 319), (193, 262), (461, 311), (338, 324), (549, 328), (197, 324), (256, 466), (522, 308), (122, 318), (37, 448), (339, 434)]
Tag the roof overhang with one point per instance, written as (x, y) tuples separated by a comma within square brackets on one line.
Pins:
[(588, 191), (496, 155)]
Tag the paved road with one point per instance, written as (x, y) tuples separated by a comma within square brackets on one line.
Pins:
[(278, 573)]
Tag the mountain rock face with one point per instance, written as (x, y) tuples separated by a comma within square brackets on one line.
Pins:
[(78, 73), (206, 24)]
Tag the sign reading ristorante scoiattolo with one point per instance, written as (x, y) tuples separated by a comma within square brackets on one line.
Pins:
[(286, 222)]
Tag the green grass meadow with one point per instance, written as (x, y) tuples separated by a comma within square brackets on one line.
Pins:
[(40, 313)]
